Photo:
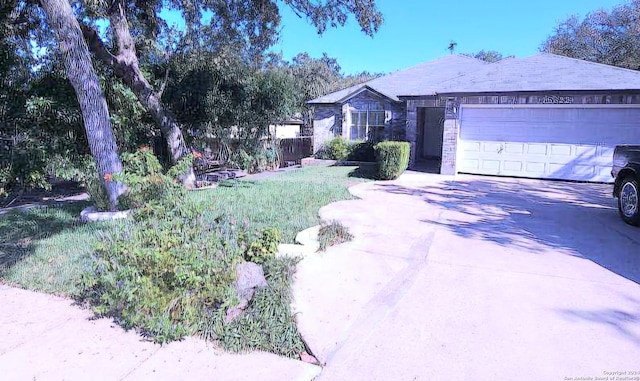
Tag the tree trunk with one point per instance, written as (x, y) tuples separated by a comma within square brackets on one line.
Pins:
[(86, 84), (126, 67)]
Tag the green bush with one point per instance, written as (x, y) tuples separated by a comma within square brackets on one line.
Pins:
[(164, 276), (264, 246), (338, 148), (261, 160), (362, 151), (145, 181), (82, 169), (393, 159)]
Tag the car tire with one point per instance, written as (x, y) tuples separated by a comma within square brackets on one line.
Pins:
[(629, 201)]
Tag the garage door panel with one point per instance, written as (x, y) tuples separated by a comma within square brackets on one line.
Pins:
[(555, 142), (535, 168), (560, 150), (536, 149), (514, 148), (513, 166)]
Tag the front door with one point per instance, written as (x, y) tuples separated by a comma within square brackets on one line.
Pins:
[(433, 127)]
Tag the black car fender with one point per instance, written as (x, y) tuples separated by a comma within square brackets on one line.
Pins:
[(629, 170)]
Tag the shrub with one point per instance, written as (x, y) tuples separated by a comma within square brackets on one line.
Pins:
[(163, 276), (268, 323), (261, 160), (332, 234), (145, 181), (338, 148), (393, 159), (264, 246), (362, 151), (82, 169)]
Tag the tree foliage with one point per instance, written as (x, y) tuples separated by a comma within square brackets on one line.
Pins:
[(609, 37), (487, 56), (38, 109)]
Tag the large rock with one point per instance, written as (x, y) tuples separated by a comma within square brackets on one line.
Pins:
[(249, 278)]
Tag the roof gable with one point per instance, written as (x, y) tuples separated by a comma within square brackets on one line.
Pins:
[(412, 81)]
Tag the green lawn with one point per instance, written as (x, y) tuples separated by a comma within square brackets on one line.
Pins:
[(44, 249)]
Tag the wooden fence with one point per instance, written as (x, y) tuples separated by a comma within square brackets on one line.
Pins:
[(292, 150)]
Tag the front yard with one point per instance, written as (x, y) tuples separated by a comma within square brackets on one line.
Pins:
[(49, 249)]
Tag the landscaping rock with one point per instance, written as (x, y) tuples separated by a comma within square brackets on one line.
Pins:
[(91, 214), (305, 357), (249, 278), (309, 238)]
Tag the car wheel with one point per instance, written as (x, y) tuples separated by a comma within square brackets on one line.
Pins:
[(628, 205)]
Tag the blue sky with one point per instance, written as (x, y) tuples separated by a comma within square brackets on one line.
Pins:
[(415, 31)]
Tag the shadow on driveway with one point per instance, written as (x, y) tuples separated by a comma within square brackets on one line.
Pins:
[(531, 215)]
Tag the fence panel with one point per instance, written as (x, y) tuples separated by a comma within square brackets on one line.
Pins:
[(294, 149)]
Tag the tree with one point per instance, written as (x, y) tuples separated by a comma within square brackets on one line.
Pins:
[(84, 80), (605, 37), (137, 37), (488, 56), (315, 77), (248, 25), (221, 97)]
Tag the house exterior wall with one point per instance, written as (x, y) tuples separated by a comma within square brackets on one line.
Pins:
[(327, 121), (330, 120), (395, 119), (403, 123)]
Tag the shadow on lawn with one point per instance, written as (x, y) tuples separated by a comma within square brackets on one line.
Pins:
[(20, 230), (361, 173), (535, 215)]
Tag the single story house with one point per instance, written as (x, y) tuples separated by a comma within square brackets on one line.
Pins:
[(544, 116)]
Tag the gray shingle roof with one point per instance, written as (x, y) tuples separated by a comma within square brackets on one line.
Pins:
[(461, 74), (543, 72), (412, 81)]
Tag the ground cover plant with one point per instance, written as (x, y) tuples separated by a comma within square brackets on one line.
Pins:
[(167, 271)]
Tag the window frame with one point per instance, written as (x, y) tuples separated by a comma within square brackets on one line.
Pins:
[(374, 112)]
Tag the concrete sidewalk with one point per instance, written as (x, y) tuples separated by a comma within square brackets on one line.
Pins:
[(474, 278), (44, 337)]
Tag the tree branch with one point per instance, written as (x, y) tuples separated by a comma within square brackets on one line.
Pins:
[(164, 84), (96, 46)]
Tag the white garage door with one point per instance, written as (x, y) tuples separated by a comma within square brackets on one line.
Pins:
[(562, 142)]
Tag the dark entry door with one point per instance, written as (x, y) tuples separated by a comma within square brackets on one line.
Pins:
[(432, 119)]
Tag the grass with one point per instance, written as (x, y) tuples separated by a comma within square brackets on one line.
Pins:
[(333, 233), (47, 249), (288, 202), (44, 249)]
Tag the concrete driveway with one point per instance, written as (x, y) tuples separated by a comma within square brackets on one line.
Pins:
[(475, 278)]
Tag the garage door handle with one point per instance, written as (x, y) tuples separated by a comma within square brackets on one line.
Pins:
[(501, 149)]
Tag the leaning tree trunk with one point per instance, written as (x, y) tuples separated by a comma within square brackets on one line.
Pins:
[(93, 104), (126, 67)]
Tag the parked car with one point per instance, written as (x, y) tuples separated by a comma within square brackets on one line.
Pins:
[(626, 171)]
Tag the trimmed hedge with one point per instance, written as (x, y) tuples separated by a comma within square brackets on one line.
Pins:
[(393, 159), (340, 148), (362, 151)]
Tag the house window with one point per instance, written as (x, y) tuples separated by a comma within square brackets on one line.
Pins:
[(367, 124)]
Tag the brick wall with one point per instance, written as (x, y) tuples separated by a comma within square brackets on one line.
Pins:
[(327, 119)]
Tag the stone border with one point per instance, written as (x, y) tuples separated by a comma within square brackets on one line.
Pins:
[(306, 243), (91, 214)]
